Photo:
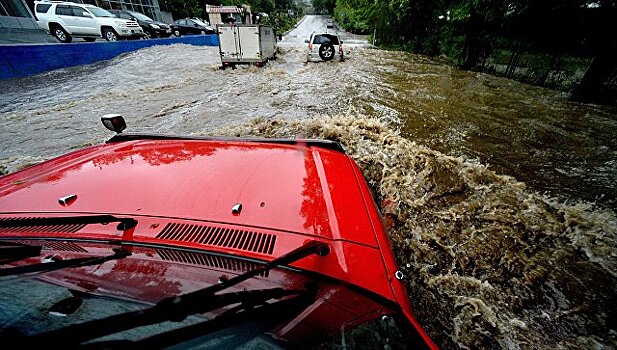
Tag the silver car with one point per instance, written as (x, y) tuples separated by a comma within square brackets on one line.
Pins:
[(324, 47)]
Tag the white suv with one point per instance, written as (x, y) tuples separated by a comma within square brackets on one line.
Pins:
[(325, 47), (65, 20)]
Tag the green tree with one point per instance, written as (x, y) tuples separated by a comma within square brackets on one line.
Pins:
[(355, 15), (324, 6), (184, 8)]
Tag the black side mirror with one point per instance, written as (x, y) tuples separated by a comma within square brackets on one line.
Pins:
[(114, 122)]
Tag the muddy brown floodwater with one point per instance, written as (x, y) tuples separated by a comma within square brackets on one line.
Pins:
[(501, 195), (535, 134)]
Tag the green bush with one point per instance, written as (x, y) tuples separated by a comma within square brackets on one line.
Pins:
[(354, 15)]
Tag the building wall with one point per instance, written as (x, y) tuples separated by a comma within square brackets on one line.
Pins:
[(149, 8), (217, 14), (17, 24), (167, 17)]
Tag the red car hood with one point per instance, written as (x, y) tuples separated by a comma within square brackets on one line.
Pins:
[(181, 192), (305, 190)]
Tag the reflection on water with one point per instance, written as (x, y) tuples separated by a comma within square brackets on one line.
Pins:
[(490, 263)]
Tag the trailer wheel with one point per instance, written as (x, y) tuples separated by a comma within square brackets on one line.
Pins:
[(326, 52)]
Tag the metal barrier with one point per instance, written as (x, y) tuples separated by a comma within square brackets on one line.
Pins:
[(30, 59)]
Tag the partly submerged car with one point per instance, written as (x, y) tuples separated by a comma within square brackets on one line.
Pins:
[(324, 47), (153, 241)]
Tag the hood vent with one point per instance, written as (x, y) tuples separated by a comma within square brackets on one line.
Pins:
[(220, 262), (56, 245), (257, 242), (66, 228)]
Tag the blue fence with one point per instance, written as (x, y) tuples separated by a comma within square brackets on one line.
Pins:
[(29, 59)]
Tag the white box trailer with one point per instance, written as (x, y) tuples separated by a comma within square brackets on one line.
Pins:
[(246, 43)]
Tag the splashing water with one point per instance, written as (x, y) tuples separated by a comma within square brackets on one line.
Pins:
[(490, 264)]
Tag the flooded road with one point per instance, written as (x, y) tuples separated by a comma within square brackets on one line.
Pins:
[(170, 89), (534, 134), (500, 196)]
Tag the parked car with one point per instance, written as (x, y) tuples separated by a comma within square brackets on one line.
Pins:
[(191, 26), (154, 241), (152, 28), (66, 20), (324, 47)]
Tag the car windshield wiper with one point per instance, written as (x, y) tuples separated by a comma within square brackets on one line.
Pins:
[(175, 308), (269, 315), (11, 252), (61, 264)]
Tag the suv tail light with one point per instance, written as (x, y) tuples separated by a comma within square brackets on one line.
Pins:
[(310, 47)]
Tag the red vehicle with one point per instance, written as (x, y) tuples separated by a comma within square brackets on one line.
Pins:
[(151, 241)]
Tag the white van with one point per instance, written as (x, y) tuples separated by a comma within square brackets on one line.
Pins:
[(246, 43)]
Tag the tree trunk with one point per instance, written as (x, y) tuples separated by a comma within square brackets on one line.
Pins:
[(513, 62), (590, 89), (471, 36)]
